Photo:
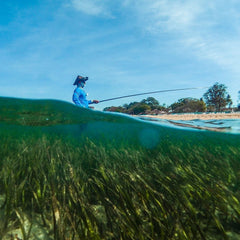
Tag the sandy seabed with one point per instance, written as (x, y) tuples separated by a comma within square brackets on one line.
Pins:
[(192, 116)]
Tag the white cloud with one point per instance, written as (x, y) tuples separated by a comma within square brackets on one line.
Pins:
[(208, 30), (92, 7), (172, 16), (166, 15)]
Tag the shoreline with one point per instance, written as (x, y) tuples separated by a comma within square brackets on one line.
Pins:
[(193, 116)]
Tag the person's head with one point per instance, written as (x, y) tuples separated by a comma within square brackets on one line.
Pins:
[(80, 81)]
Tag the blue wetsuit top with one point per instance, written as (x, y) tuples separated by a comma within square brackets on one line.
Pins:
[(79, 98)]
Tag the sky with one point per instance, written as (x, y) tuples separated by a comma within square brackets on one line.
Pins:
[(123, 46)]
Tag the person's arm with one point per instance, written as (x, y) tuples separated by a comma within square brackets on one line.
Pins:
[(93, 101)]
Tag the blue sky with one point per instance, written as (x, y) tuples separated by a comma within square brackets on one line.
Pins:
[(124, 47)]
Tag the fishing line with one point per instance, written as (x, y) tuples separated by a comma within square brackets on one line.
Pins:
[(160, 91)]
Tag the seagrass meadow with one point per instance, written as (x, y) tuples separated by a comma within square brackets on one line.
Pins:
[(70, 173)]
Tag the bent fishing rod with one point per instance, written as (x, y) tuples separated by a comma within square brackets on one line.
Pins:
[(160, 91)]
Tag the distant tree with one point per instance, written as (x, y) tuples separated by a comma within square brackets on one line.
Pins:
[(152, 102), (141, 108), (184, 105), (238, 107), (131, 105), (138, 108), (125, 106), (114, 109), (217, 97), (148, 105), (229, 101)]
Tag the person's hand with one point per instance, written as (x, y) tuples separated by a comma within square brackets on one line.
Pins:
[(91, 107), (95, 101)]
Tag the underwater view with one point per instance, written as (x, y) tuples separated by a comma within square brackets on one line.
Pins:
[(69, 173)]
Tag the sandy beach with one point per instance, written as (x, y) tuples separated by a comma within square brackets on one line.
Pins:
[(191, 116)]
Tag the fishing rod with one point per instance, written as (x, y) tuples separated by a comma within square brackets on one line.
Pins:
[(160, 91)]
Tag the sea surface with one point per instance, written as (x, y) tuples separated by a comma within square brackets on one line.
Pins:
[(217, 125), (73, 173)]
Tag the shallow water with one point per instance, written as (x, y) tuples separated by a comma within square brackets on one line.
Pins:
[(120, 177), (222, 125)]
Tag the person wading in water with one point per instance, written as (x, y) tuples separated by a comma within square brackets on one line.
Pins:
[(79, 95)]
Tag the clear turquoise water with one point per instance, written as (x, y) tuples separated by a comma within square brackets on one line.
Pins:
[(223, 125), (20, 118), (186, 177)]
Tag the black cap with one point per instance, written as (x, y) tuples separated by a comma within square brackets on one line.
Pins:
[(80, 79)]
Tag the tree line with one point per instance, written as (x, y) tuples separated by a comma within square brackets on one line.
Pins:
[(215, 99)]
